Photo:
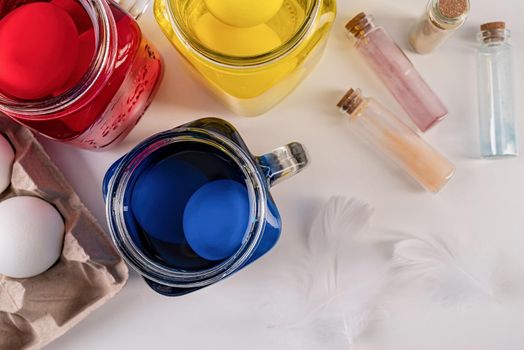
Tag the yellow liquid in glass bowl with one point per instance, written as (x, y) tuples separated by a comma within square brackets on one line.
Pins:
[(252, 68)]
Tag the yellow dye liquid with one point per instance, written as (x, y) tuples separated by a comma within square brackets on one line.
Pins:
[(244, 13), (235, 41), (222, 54)]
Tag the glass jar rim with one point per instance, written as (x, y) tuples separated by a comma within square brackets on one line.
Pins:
[(443, 22), (105, 55), (160, 273), (235, 62)]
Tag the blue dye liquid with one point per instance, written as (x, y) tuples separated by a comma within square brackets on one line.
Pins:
[(159, 193)]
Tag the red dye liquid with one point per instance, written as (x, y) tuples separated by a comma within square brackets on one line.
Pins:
[(113, 105), (76, 11)]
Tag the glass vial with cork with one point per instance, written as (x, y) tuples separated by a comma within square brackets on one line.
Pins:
[(376, 125), (397, 72), (441, 19), (495, 92)]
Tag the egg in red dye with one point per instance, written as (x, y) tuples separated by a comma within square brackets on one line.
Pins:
[(39, 50), (85, 57), (77, 12)]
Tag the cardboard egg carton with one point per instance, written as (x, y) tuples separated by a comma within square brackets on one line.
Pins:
[(35, 311)]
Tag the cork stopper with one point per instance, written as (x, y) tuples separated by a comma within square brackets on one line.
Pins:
[(351, 101), (355, 20), (493, 26), (360, 25), (453, 8), (493, 32)]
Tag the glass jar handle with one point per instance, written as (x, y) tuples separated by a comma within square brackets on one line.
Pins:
[(134, 7), (283, 162)]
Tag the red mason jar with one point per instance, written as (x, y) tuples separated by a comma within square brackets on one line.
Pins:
[(116, 89)]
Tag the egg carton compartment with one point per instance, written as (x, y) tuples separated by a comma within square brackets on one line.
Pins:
[(35, 311)]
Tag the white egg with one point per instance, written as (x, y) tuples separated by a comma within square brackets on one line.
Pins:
[(7, 157), (31, 236)]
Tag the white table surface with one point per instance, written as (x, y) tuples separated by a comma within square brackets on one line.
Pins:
[(485, 198)]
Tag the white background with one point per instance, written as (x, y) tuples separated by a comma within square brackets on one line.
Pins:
[(485, 198)]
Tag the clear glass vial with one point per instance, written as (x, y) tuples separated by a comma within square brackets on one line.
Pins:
[(441, 19), (397, 72), (376, 125), (495, 92)]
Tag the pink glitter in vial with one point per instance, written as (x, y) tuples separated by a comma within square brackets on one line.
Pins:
[(397, 72)]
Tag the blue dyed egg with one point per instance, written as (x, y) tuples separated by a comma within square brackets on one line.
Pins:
[(216, 218), (160, 196)]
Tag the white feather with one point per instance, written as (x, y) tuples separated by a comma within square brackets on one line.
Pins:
[(331, 235), (321, 296), (344, 276), (450, 269)]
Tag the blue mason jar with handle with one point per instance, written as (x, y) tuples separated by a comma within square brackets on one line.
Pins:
[(190, 206)]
